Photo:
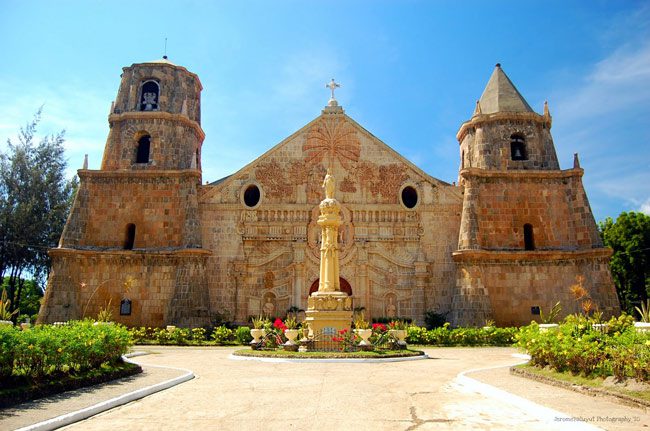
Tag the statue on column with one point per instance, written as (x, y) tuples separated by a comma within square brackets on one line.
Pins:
[(329, 184)]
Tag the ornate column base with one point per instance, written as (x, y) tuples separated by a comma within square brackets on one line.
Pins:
[(327, 314)]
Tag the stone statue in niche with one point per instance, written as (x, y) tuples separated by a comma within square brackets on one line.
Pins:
[(149, 101), (391, 308), (269, 305)]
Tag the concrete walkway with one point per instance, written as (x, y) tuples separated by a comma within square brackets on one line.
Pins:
[(438, 393)]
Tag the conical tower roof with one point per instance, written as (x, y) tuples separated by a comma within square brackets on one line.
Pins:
[(500, 95)]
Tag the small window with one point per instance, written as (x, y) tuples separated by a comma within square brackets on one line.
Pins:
[(409, 197), (529, 241), (149, 99), (130, 237), (518, 148), (144, 145), (252, 196)]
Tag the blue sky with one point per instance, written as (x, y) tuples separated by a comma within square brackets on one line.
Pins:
[(410, 71)]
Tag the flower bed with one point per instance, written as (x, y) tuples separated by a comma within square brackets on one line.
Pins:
[(46, 350), (45, 356), (580, 348)]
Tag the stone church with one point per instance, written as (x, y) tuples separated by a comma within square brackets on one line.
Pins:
[(147, 240)]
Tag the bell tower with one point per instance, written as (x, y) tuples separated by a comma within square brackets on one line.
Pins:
[(139, 211), (527, 230), (155, 121)]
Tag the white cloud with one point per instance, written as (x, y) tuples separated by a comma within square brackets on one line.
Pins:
[(645, 207)]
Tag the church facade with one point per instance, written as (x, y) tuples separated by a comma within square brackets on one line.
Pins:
[(147, 240)]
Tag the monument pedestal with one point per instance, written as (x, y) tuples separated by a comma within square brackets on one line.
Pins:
[(327, 314)]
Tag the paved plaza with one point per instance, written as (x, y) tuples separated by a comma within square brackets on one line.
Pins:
[(446, 392)]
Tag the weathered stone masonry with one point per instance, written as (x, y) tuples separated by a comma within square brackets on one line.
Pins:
[(513, 234)]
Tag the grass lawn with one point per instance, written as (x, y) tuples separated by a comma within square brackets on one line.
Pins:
[(328, 355), (20, 389), (598, 383)]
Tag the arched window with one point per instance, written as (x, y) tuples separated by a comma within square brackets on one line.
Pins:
[(518, 147), (144, 145), (529, 240), (129, 240), (149, 96)]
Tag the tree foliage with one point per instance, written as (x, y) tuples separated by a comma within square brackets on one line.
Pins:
[(629, 237), (35, 197)]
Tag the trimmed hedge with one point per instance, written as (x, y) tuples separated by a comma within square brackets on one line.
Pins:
[(580, 348), (447, 336), (46, 350)]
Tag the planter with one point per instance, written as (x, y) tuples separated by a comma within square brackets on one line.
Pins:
[(25, 326), (642, 326), (257, 334), (400, 335), (103, 323), (6, 323), (364, 334), (291, 335), (548, 327), (171, 328)]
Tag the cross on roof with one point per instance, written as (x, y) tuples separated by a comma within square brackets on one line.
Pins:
[(332, 86)]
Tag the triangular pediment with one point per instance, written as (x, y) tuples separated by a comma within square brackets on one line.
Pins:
[(366, 169)]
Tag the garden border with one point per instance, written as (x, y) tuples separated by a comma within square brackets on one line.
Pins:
[(585, 390), (344, 360), (79, 415)]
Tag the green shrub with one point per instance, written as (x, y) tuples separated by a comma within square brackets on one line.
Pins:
[(243, 335), (447, 336), (46, 350), (222, 335), (579, 348), (8, 335), (433, 319)]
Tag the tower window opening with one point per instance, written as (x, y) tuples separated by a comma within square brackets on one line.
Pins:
[(518, 148), (144, 145), (529, 240), (129, 240), (409, 197), (149, 96)]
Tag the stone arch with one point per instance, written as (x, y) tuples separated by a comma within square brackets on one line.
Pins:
[(345, 286)]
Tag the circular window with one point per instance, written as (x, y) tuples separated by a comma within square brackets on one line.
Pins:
[(252, 195), (409, 197)]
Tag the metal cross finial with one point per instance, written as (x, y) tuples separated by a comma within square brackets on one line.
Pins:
[(332, 86)]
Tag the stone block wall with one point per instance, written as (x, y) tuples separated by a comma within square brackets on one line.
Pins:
[(163, 207)]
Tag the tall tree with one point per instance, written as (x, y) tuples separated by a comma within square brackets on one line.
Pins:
[(629, 237), (35, 198)]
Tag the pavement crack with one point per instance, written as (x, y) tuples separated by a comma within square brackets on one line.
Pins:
[(417, 421)]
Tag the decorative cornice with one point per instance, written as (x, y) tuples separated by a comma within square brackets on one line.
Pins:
[(129, 254), (480, 119), (158, 115), (527, 256), (87, 174), (468, 173)]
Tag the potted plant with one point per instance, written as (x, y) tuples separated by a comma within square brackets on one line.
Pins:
[(5, 314), (644, 313), (397, 329), (362, 329), (258, 329), (548, 319), (291, 332)]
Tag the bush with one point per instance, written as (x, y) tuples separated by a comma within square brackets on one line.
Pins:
[(222, 335), (579, 348), (434, 320), (446, 336), (243, 335), (46, 350)]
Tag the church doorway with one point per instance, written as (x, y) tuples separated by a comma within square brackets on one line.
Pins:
[(345, 286)]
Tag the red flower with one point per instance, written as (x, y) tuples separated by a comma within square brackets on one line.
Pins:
[(378, 327), (279, 324), (343, 331)]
